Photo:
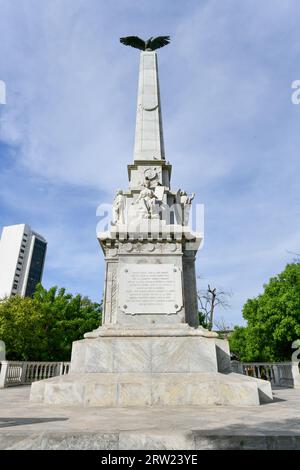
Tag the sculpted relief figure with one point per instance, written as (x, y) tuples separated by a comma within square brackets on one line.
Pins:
[(146, 202), (185, 202), (118, 208), (152, 175)]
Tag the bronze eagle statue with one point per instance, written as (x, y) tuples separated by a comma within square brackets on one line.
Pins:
[(149, 45)]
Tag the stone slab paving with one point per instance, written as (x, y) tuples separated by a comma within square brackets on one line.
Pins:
[(25, 425)]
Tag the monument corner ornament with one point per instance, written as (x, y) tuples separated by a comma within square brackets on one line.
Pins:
[(150, 349)]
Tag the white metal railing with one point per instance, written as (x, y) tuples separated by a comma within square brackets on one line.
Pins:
[(280, 374), (24, 373)]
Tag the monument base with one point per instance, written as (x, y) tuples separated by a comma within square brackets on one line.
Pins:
[(155, 389), (122, 367)]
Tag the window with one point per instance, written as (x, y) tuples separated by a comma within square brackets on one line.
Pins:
[(19, 262), (18, 269), (36, 266), (22, 251), (15, 286)]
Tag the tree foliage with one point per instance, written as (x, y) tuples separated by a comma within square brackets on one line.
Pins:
[(273, 320), (43, 327), (203, 320)]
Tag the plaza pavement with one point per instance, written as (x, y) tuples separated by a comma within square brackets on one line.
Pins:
[(25, 425)]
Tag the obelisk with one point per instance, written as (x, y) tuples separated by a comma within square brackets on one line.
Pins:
[(149, 142), (150, 250), (150, 350)]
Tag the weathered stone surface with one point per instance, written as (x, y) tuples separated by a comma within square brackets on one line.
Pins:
[(264, 387), (28, 425), (144, 389), (156, 440), (296, 375), (130, 368), (148, 135), (203, 389), (60, 441), (144, 354), (244, 442), (158, 330), (223, 355)]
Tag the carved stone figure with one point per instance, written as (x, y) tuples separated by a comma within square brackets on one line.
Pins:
[(147, 202), (118, 208), (152, 175), (185, 199), (185, 203)]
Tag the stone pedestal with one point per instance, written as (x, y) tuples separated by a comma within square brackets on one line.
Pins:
[(151, 367), (141, 389), (150, 275)]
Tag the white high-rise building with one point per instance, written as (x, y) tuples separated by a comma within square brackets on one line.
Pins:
[(22, 256)]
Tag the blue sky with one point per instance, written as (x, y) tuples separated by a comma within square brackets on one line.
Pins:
[(231, 130)]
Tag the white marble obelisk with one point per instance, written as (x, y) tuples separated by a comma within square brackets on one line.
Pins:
[(149, 143), (150, 350), (150, 250)]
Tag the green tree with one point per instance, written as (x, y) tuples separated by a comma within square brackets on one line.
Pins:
[(273, 320), (203, 319), (238, 343), (21, 328), (43, 327)]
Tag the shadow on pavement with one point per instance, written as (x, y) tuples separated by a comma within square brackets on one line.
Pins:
[(9, 422)]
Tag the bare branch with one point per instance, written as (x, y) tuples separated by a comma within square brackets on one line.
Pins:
[(211, 298), (221, 325)]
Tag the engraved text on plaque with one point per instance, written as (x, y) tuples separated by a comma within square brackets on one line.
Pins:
[(150, 289)]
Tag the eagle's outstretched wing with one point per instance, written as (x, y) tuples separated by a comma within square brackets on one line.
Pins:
[(133, 41), (160, 41)]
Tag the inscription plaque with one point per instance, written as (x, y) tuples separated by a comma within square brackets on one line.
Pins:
[(150, 289)]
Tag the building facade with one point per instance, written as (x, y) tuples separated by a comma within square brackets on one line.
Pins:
[(22, 256)]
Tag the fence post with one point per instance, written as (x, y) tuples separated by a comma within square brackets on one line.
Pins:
[(276, 375), (23, 373), (60, 368), (3, 373), (295, 374)]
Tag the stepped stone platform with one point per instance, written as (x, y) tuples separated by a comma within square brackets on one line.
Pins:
[(163, 366), (26, 425)]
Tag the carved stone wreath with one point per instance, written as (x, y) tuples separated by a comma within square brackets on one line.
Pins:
[(150, 173)]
